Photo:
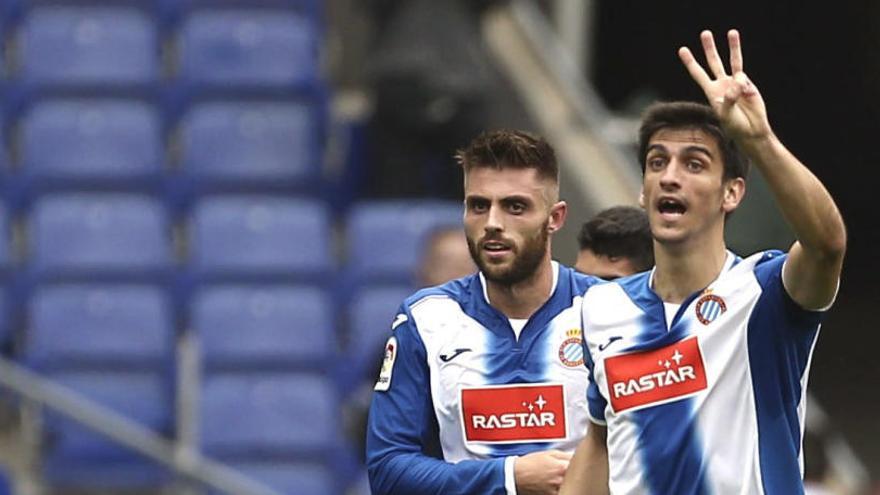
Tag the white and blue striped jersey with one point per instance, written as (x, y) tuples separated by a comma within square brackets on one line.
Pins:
[(460, 395), (714, 402)]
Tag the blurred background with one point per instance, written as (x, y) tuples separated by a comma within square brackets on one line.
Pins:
[(211, 210)]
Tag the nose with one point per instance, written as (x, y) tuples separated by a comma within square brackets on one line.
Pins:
[(493, 220), (670, 178)]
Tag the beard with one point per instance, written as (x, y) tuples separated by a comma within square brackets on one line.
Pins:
[(526, 258)]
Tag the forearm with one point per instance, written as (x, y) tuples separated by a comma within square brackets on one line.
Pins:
[(411, 474), (804, 201), (587, 473)]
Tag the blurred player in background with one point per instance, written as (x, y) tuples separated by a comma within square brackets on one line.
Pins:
[(699, 367), (445, 257), (615, 243)]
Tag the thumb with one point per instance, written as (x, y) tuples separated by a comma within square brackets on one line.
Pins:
[(745, 84), (558, 454)]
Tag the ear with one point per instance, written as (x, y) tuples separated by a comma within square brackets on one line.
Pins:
[(734, 192), (642, 197), (558, 213)]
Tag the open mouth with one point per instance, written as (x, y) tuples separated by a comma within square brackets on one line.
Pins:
[(671, 206), (495, 247)]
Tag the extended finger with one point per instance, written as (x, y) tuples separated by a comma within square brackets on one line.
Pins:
[(693, 67), (712, 57), (736, 58)]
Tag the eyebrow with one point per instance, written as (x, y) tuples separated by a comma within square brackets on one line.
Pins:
[(689, 149)]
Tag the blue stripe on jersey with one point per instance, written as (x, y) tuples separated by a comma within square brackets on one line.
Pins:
[(669, 446), (507, 364), (666, 426), (780, 340)]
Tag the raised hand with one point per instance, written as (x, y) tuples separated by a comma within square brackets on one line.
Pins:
[(734, 97)]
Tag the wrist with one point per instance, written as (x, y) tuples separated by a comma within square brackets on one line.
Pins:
[(509, 475), (759, 143)]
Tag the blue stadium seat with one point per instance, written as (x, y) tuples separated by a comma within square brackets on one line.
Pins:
[(75, 455), (370, 313), (264, 326), (88, 47), (94, 236), (248, 49), (241, 145), (385, 237), (259, 238), (266, 415), (99, 325), (88, 143)]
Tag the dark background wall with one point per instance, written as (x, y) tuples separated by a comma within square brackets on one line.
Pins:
[(817, 65)]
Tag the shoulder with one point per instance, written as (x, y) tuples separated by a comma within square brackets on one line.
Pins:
[(442, 302), (766, 266), (632, 286), (457, 290), (581, 282)]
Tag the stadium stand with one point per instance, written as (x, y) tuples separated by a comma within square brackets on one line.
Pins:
[(251, 146), (112, 343), (91, 144), (273, 326), (385, 237), (97, 47), (90, 236), (260, 238)]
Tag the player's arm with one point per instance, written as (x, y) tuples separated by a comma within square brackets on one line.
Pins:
[(815, 260), (588, 471), (401, 429)]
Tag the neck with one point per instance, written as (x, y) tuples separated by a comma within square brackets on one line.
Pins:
[(522, 299), (682, 270)]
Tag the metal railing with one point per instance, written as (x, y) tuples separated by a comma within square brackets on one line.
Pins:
[(182, 459)]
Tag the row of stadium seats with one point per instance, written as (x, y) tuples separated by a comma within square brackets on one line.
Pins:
[(126, 46), (117, 144), (97, 236), (120, 326)]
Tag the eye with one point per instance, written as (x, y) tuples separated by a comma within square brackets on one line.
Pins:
[(478, 206), (655, 162), (695, 165), (516, 207)]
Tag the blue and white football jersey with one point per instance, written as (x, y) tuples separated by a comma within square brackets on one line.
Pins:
[(459, 393), (714, 402)]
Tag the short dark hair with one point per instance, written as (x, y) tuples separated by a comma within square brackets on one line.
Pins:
[(620, 231), (510, 149), (689, 115)]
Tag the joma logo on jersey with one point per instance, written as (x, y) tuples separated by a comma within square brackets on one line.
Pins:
[(642, 379), (513, 413)]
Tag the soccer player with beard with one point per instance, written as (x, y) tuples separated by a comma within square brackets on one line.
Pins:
[(481, 390), (699, 368)]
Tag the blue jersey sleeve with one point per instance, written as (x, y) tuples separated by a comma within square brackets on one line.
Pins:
[(403, 452), (781, 337)]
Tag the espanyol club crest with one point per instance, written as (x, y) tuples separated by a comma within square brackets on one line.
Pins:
[(571, 351), (709, 307)]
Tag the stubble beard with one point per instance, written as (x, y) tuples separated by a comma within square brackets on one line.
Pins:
[(526, 260)]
